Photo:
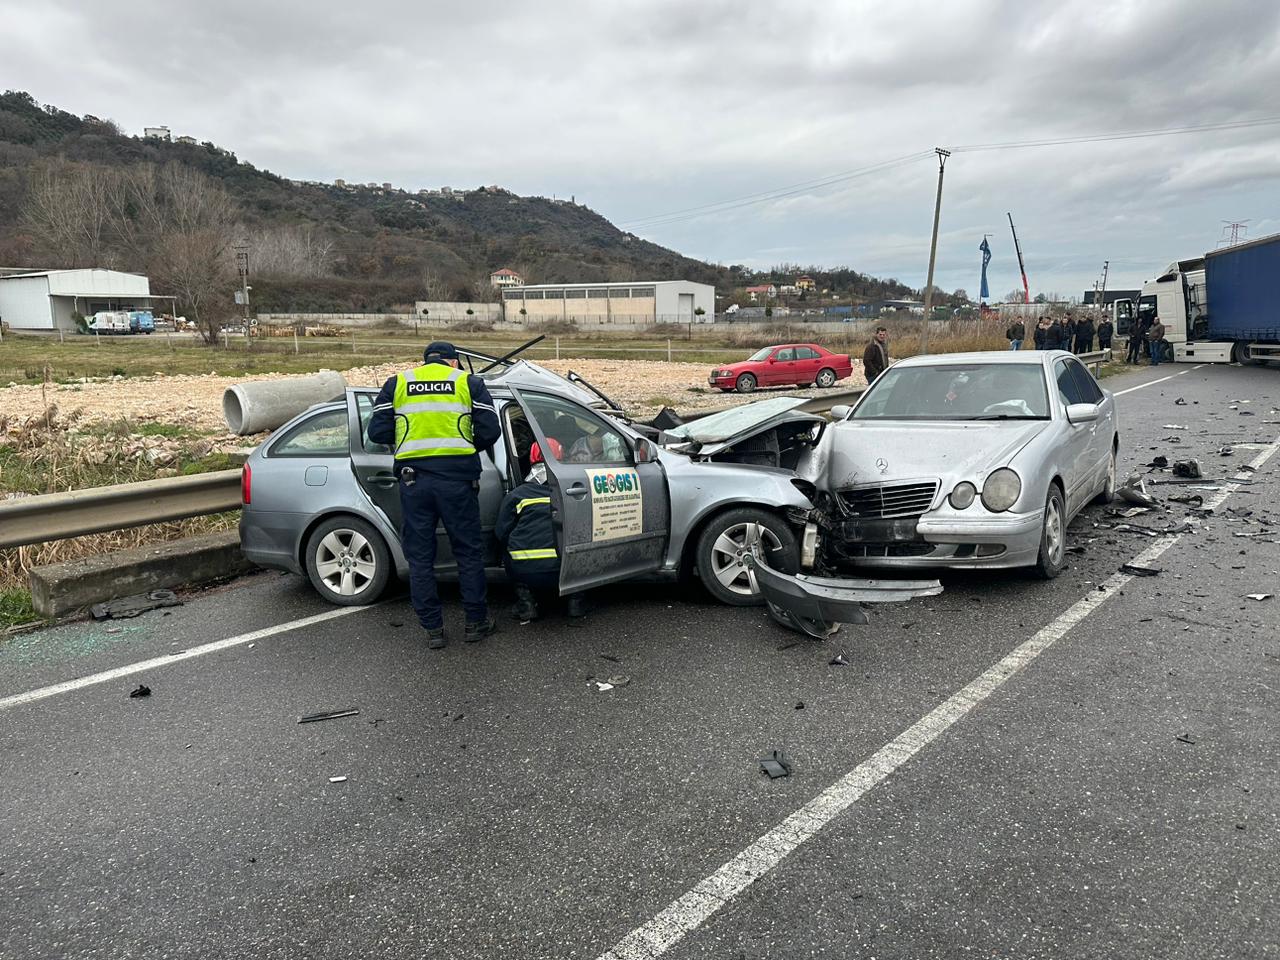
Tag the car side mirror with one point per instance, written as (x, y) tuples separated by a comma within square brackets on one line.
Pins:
[(841, 411), (773, 359), (645, 451), (1082, 412)]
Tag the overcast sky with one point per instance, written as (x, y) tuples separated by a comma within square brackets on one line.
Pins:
[(647, 108)]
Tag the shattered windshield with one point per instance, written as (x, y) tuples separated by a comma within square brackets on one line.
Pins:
[(728, 424), (971, 391)]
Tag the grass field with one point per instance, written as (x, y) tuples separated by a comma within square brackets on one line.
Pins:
[(29, 359)]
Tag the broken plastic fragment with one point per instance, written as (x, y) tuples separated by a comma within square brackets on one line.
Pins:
[(775, 765), (337, 779), (1259, 596), (142, 691), (331, 715), (1139, 571), (1190, 469)]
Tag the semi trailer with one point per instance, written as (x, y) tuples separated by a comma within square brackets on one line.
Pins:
[(1223, 307)]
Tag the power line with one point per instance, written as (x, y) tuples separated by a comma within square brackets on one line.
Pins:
[(723, 206), (1129, 135), (778, 194)]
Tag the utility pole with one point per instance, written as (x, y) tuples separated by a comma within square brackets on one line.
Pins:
[(242, 267), (1106, 267), (1237, 229), (933, 251)]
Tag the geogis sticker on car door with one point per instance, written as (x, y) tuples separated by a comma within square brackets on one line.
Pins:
[(617, 508)]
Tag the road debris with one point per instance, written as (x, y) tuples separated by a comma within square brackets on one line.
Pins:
[(142, 691), (331, 715), (619, 680), (128, 607), (602, 685), (1180, 402), (1259, 596), (337, 779), (1193, 499), (775, 765), (1188, 469), (1226, 451), (838, 661), (1184, 738), (1173, 426), (1160, 462), (1139, 571), (799, 704), (1134, 490)]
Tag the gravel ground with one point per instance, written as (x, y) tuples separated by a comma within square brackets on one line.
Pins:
[(643, 386)]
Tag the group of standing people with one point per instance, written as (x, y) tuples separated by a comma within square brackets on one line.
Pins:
[(1147, 339), (1063, 333)]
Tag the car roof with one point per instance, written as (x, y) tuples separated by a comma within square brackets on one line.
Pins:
[(984, 357)]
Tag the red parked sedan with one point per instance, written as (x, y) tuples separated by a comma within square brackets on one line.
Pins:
[(794, 363)]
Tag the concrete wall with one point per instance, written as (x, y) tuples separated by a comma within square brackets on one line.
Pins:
[(447, 310)]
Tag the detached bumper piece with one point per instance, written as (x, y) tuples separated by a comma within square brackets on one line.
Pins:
[(817, 606)]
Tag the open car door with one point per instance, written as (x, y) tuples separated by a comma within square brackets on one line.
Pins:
[(609, 497)]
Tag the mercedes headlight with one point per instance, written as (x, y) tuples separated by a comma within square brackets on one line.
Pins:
[(963, 495), (1001, 490)]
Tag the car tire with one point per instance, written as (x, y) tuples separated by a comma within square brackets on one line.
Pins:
[(1053, 536), (826, 378), (348, 561), (720, 545), (1108, 491), (746, 383)]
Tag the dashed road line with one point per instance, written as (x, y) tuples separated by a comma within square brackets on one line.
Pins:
[(1151, 383), (704, 899)]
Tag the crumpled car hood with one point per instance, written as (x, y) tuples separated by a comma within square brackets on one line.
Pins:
[(736, 423), (849, 452)]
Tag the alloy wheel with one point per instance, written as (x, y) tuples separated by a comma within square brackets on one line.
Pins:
[(728, 556), (346, 562)]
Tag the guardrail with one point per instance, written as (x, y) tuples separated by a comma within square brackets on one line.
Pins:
[(78, 513)]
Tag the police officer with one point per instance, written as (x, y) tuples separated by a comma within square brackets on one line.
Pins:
[(437, 417), (529, 539)]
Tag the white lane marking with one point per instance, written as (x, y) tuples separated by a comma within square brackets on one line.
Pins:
[(1151, 383), (685, 914), (31, 696)]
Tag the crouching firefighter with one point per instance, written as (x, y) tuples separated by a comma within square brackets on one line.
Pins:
[(436, 417), (528, 538)]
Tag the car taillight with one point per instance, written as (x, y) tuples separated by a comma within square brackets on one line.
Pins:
[(246, 485)]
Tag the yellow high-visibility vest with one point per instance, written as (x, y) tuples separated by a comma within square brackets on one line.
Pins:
[(433, 413)]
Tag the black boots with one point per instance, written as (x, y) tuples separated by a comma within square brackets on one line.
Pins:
[(526, 607)]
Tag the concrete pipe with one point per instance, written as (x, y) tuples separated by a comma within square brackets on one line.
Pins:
[(266, 404)]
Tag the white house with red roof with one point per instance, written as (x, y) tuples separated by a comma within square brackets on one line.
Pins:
[(766, 290), (505, 278)]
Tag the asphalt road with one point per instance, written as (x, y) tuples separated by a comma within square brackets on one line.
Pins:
[(1080, 768)]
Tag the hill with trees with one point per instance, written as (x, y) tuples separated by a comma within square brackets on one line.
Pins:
[(75, 191)]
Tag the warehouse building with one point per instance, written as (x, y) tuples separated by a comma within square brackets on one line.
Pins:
[(663, 301), (47, 299)]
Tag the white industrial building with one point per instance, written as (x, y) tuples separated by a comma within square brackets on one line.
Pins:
[(661, 301), (47, 299)]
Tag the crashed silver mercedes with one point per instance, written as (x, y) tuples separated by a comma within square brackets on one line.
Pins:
[(953, 461)]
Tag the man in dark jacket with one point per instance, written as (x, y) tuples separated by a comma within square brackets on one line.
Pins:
[(876, 357), (1138, 340), (528, 538), (1016, 333), (1084, 335), (437, 418), (1069, 332), (1042, 327), (1106, 330), (1053, 336)]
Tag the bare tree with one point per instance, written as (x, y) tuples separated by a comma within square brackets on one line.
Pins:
[(289, 251), (71, 210), (197, 267), (434, 286)]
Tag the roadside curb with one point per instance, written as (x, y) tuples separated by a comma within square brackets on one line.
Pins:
[(65, 588)]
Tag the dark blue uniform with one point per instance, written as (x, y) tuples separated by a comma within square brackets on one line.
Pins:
[(443, 488), (528, 536)]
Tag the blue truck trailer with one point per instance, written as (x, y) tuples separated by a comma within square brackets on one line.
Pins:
[(1223, 307)]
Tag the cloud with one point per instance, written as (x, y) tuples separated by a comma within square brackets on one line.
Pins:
[(640, 107)]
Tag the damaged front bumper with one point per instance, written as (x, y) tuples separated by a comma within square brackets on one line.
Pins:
[(819, 605)]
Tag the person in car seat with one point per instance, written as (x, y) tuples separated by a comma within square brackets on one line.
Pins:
[(528, 538)]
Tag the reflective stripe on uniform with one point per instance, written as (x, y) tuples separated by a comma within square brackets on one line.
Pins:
[(432, 406), (531, 501), (548, 554), (437, 443)]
